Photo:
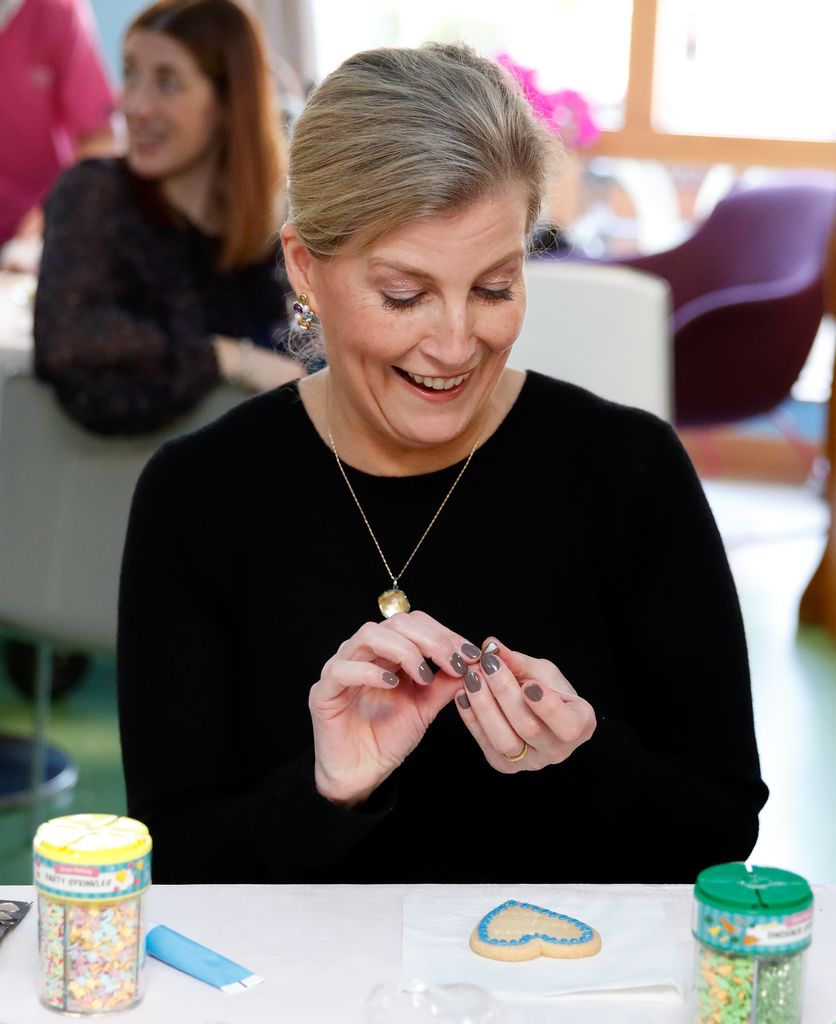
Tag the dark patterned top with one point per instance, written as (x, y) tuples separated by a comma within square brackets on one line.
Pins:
[(127, 304)]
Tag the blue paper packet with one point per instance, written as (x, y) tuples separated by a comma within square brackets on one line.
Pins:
[(202, 963)]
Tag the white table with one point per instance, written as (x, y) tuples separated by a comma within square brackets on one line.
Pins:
[(323, 948), (16, 294)]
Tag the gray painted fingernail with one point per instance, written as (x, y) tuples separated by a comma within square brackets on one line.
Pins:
[(463, 701), (533, 691), (425, 672), (490, 663), (470, 651), (472, 682), (458, 663), (390, 678), (490, 648)]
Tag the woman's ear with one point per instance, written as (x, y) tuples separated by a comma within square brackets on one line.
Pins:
[(299, 264)]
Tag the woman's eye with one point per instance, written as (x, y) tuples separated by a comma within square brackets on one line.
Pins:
[(496, 294), (392, 303), (169, 84)]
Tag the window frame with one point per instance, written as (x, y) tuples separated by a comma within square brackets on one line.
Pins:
[(638, 138)]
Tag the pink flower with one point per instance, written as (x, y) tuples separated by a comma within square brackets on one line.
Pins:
[(565, 112)]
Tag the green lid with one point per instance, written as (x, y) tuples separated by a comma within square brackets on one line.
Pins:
[(737, 888)]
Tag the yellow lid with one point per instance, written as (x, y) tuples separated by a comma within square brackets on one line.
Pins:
[(92, 839)]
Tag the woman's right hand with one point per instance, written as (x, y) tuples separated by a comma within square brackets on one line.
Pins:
[(257, 369), (376, 698)]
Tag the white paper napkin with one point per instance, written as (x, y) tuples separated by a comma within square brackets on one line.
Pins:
[(637, 959)]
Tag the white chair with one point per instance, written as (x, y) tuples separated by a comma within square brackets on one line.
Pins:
[(603, 327), (65, 495)]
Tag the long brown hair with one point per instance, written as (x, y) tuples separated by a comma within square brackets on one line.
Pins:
[(228, 46)]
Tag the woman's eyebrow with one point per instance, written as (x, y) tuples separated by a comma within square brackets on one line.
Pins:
[(406, 269)]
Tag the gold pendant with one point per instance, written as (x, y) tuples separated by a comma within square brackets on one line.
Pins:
[(391, 602)]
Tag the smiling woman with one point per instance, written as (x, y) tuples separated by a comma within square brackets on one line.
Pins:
[(168, 257), (427, 315), (297, 733)]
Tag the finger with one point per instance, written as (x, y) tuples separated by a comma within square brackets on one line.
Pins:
[(564, 717), (571, 720), (526, 668), (498, 704), (448, 650), (346, 675), (374, 643), (493, 756)]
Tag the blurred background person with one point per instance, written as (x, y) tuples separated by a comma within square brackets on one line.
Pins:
[(160, 272), (55, 107)]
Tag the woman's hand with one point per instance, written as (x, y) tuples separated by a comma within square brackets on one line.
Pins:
[(522, 711), (376, 698)]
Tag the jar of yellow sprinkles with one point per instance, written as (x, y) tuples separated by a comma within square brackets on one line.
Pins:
[(90, 874), (752, 927)]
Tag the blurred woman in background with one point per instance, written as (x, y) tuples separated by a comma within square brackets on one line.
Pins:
[(159, 274)]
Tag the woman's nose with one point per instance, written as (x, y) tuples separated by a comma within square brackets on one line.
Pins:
[(136, 101), (454, 340)]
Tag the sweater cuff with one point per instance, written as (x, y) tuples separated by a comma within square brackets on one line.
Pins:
[(612, 756), (310, 830)]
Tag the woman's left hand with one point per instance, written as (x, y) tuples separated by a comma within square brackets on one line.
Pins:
[(522, 711)]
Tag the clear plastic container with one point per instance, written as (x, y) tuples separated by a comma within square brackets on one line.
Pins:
[(752, 926), (90, 874), (414, 1002)]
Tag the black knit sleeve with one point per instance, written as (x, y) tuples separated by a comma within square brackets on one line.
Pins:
[(123, 356), (673, 765), (180, 687)]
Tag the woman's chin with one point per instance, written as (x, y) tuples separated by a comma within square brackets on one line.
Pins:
[(145, 166)]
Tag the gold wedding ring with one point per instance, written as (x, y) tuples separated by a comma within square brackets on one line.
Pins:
[(517, 757)]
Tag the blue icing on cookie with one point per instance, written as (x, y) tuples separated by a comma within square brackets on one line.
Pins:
[(585, 932)]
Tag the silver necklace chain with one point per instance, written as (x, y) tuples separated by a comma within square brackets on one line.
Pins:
[(368, 524)]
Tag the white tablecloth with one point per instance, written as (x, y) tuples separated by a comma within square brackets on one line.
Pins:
[(323, 948)]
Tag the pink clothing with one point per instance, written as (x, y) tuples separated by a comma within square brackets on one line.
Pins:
[(53, 91)]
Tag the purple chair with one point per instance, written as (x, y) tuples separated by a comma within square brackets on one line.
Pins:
[(748, 298)]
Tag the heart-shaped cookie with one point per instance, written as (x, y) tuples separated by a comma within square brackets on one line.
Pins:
[(522, 931)]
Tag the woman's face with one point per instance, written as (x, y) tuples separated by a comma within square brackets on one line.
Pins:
[(418, 326), (172, 113)]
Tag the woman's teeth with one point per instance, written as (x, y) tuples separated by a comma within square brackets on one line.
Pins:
[(437, 383)]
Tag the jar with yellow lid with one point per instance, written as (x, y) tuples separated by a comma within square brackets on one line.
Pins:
[(90, 874)]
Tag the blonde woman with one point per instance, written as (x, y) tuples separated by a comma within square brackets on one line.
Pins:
[(491, 633)]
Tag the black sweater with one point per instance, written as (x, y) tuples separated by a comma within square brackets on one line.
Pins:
[(127, 304), (579, 534)]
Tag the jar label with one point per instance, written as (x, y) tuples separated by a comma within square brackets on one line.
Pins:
[(753, 934), (92, 881)]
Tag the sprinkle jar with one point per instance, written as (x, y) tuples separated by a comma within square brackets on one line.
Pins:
[(90, 873), (752, 926)]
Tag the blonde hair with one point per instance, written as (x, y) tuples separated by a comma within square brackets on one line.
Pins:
[(396, 134)]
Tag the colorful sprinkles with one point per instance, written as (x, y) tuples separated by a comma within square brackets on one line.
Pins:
[(91, 955), (735, 989)]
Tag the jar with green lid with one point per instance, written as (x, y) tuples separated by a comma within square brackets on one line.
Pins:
[(752, 926), (90, 874)]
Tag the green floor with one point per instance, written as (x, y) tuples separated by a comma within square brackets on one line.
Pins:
[(774, 536)]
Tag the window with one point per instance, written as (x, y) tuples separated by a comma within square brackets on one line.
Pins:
[(745, 68), (555, 37)]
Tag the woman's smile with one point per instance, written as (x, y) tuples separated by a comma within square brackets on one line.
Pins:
[(434, 388)]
